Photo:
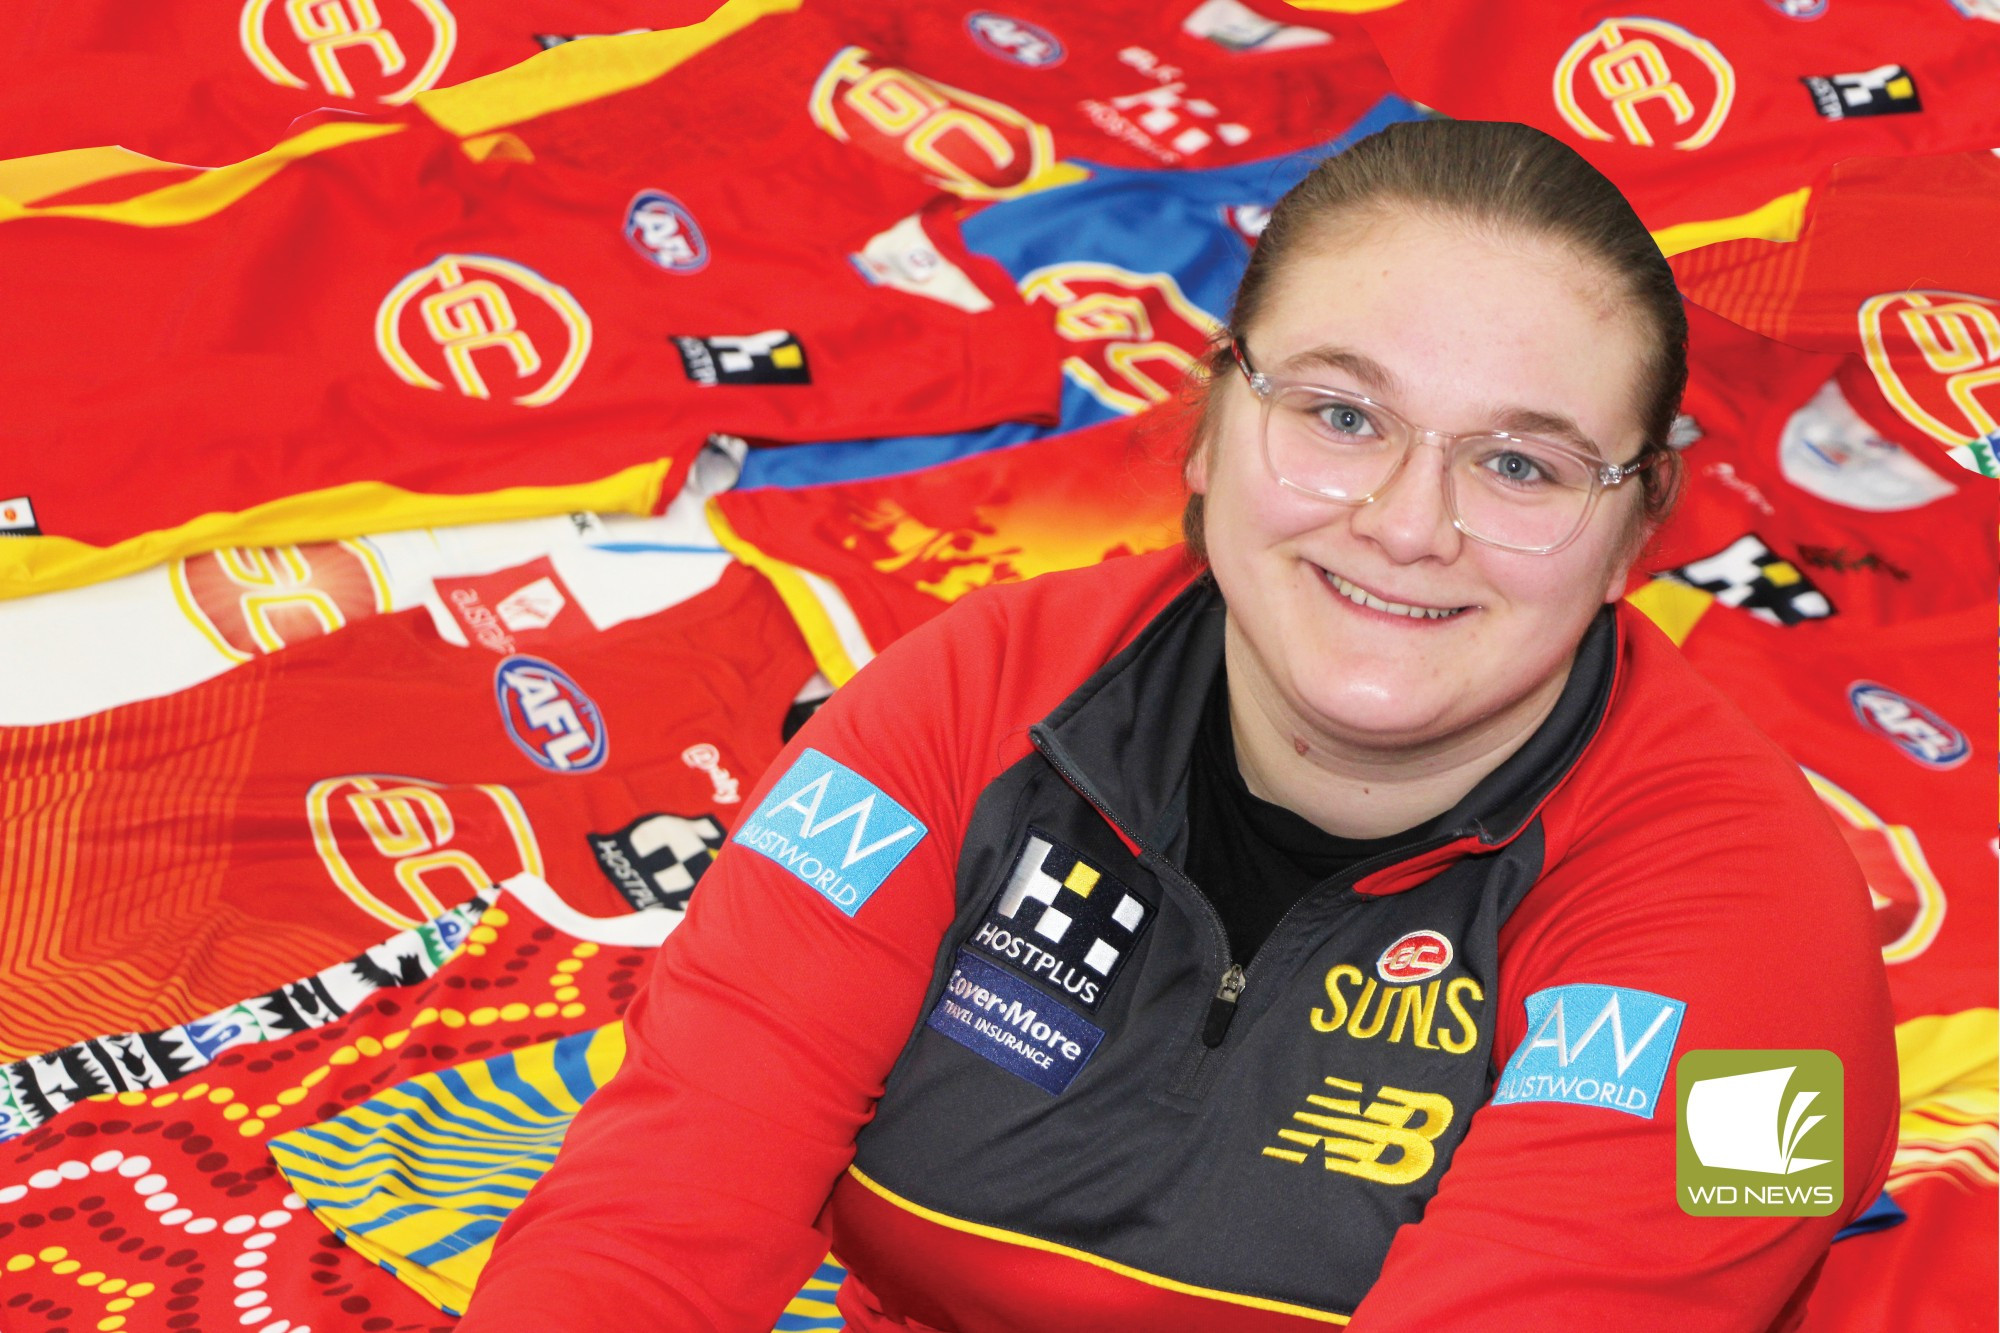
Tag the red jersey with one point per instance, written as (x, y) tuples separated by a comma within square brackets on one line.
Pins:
[(1808, 497), (861, 563), (1705, 113), (1884, 270), (983, 104), (173, 856), (212, 81), (366, 331)]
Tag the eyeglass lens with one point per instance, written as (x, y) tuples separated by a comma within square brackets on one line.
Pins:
[(1506, 490)]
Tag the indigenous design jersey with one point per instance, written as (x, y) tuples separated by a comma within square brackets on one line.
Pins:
[(38, 1089), (70, 653), (208, 82), (1808, 498), (419, 1177), (186, 1172), (1918, 306), (1134, 269), (1706, 114), (861, 563), (465, 340), (982, 103), (185, 852), (1010, 1052)]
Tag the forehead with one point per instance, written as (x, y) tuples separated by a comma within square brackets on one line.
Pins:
[(1459, 326)]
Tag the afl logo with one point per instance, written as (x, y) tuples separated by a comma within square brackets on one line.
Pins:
[(349, 48), (664, 233), (1908, 725), (1799, 9), (1418, 956), (1643, 76), (1014, 40), (488, 325), (549, 717)]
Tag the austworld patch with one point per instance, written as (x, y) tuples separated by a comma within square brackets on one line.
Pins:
[(1063, 922)]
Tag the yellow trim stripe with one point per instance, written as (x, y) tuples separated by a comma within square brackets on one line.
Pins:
[(578, 72), (23, 180), (816, 604), (1780, 220), (206, 195), (1097, 1261), (45, 564)]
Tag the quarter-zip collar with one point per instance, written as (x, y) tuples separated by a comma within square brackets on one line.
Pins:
[(1125, 737)]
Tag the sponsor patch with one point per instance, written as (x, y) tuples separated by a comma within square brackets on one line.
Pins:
[(549, 717), (705, 758), (1234, 26), (1748, 574), (526, 606), (1760, 1133), (1909, 726), (17, 518), (772, 357), (655, 860), (1594, 1046), (1063, 922), (1418, 956), (1001, 1018), (1886, 90), (664, 233), (833, 829), (1016, 41), (1828, 450)]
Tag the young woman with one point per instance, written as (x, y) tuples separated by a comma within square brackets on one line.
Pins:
[(1298, 927)]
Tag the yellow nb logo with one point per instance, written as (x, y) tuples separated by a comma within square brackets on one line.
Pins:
[(1388, 1142)]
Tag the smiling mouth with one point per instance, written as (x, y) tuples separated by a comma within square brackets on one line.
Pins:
[(1362, 597)]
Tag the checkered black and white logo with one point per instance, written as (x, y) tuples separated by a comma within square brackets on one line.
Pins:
[(1886, 90), (655, 860), (1749, 574), (1063, 922), (772, 357)]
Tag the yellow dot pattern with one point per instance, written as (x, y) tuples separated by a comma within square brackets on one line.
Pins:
[(567, 1004), (60, 1264)]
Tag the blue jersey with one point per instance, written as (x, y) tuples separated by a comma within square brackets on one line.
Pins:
[(1137, 269)]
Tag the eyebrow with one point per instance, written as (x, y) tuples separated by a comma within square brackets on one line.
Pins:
[(1382, 382)]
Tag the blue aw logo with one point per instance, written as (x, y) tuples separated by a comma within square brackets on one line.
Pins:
[(835, 831), (1594, 1046)]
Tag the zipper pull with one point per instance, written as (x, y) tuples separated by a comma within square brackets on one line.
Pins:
[(1223, 1007)]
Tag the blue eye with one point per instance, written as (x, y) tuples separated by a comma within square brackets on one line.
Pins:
[(1346, 419)]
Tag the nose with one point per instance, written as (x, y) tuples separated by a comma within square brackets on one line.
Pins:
[(1410, 518)]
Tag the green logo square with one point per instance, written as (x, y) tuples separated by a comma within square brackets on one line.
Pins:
[(1760, 1133)]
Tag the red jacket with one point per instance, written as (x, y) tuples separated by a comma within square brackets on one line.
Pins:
[(851, 1042)]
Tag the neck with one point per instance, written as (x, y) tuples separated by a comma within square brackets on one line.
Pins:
[(1361, 787)]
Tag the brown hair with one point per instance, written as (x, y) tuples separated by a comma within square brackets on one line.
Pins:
[(1496, 174)]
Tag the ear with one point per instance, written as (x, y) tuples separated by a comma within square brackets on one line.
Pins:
[(1195, 470), (1619, 577)]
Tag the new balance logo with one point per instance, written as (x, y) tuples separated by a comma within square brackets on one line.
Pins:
[(1390, 1142)]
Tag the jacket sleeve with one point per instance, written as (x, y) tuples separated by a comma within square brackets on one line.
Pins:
[(1743, 905), (688, 1191)]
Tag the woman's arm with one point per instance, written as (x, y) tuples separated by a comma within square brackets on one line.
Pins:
[(688, 1191), (1559, 1214)]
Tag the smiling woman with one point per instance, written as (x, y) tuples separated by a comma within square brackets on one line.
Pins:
[(1297, 928)]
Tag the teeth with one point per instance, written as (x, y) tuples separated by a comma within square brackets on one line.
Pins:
[(1361, 597)]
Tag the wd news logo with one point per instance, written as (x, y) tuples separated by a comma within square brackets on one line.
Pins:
[(833, 829), (1761, 1134)]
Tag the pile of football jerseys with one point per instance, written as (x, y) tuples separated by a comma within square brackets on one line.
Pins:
[(451, 444)]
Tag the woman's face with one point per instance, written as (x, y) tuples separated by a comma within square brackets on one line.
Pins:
[(1461, 331)]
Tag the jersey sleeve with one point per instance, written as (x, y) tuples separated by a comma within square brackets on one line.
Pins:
[(688, 1192), (1734, 921)]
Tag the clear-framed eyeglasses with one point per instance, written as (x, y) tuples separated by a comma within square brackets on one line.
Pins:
[(1516, 492)]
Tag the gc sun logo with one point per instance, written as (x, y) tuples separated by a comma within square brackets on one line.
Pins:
[(350, 48), (472, 318)]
